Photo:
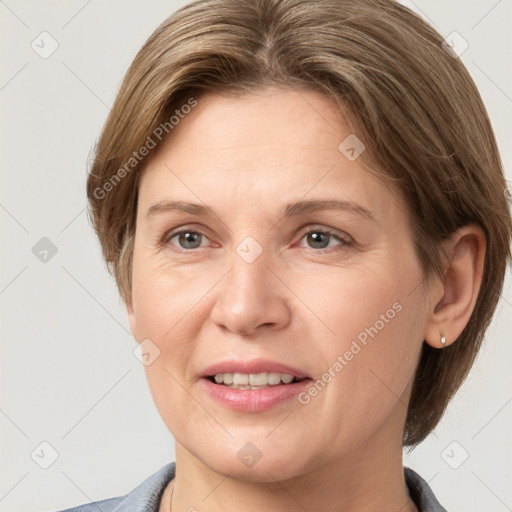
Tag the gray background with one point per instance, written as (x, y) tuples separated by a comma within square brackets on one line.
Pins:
[(68, 374)]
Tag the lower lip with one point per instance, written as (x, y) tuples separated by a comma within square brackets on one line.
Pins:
[(253, 400)]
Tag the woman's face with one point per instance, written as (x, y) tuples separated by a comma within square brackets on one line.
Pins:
[(266, 279)]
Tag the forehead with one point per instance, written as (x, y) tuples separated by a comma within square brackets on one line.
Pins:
[(260, 150), (280, 117)]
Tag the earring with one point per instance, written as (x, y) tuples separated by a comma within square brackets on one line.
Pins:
[(443, 340)]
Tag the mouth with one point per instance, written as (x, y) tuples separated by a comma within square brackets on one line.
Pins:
[(253, 386), (254, 381)]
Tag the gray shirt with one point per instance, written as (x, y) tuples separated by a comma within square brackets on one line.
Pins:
[(146, 496)]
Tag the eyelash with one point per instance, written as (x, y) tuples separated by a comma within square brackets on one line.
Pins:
[(345, 241)]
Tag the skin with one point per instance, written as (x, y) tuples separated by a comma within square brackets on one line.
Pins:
[(299, 303)]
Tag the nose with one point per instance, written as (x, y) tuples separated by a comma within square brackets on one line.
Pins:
[(252, 297)]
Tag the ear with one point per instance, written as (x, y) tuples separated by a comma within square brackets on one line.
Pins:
[(450, 313)]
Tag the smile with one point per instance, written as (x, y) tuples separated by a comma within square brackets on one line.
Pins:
[(253, 386), (253, 380)]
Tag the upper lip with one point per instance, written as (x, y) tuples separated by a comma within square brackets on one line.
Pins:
[(253, 366)]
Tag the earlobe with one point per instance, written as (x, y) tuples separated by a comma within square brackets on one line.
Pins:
[(461, 284)]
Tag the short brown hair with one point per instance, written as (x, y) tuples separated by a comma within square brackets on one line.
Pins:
[(412, 103)]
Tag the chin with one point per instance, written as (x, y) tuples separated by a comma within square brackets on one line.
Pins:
[(259, 461), (264, 471)]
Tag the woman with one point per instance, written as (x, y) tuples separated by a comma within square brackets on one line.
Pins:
[(303, 206)]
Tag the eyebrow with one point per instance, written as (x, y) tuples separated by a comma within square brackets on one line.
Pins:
[(293, 209)]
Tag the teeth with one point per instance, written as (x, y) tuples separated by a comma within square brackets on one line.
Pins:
[(286, 378), (258, 379), (253, 380), (240, 379), (274, 378)]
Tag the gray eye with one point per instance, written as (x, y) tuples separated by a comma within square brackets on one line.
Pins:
[(189, 239), (318, 239)]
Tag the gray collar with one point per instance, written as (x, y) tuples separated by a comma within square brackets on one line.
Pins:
[(421, 493)]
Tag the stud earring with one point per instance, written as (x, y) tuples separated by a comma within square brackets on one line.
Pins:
[(443, 340)]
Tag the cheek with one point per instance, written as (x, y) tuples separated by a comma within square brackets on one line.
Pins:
[(358, 302), (369, 326), (165, 314), (164, 300)]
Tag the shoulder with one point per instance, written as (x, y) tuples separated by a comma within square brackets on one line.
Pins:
[(146, 496), (421, 493), (108, 505)]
